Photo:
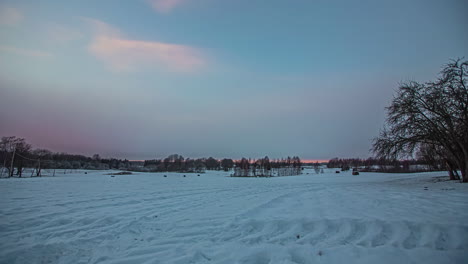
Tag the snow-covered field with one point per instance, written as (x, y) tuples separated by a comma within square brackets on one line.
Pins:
[(147, 218)]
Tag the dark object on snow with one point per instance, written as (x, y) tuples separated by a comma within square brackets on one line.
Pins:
[(320, 253), (298, 236), (86, 172), (184, 175), (198, 175), (337, 171), (112, 176), (121, 173), (165, 175), (355, 173)]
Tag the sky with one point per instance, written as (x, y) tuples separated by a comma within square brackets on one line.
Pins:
[(142, 79)]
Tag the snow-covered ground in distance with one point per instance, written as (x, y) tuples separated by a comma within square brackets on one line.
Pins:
[(211, 218)]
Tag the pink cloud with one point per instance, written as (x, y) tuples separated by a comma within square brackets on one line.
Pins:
[(164, 6), (124, 54), (10, 16), (24, 52)]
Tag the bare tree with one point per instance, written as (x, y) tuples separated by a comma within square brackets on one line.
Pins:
[(42, 155), (227, 164), (16, 149), (431, 114)]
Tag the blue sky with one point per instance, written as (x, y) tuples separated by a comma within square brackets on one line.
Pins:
[(147, 78)]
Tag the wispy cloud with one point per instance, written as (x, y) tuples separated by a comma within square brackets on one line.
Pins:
[(24, 52), (164, 6), (122, 54), (61, 33), (10, 16)]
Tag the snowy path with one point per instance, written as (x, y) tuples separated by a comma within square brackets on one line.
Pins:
[(146, 218)]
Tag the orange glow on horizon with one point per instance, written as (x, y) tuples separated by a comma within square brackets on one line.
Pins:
[(314, 160)]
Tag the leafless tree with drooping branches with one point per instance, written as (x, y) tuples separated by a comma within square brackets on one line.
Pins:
[(432, 114)]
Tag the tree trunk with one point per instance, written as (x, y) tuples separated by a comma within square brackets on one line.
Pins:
[(4, 165), (464, 166), (452, 170), (39, 169), (12, 162), (464, 171)]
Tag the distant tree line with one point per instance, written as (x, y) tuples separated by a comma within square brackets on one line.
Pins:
[(265, 167), (16, 155), (177, 163), (422, 163)]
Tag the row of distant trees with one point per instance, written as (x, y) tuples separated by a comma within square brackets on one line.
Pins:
[(242, 168), (16, 155), (265, 167), (178, 163), (422, 163)]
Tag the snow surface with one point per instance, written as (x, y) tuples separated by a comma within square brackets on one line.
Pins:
[(211, 218)]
